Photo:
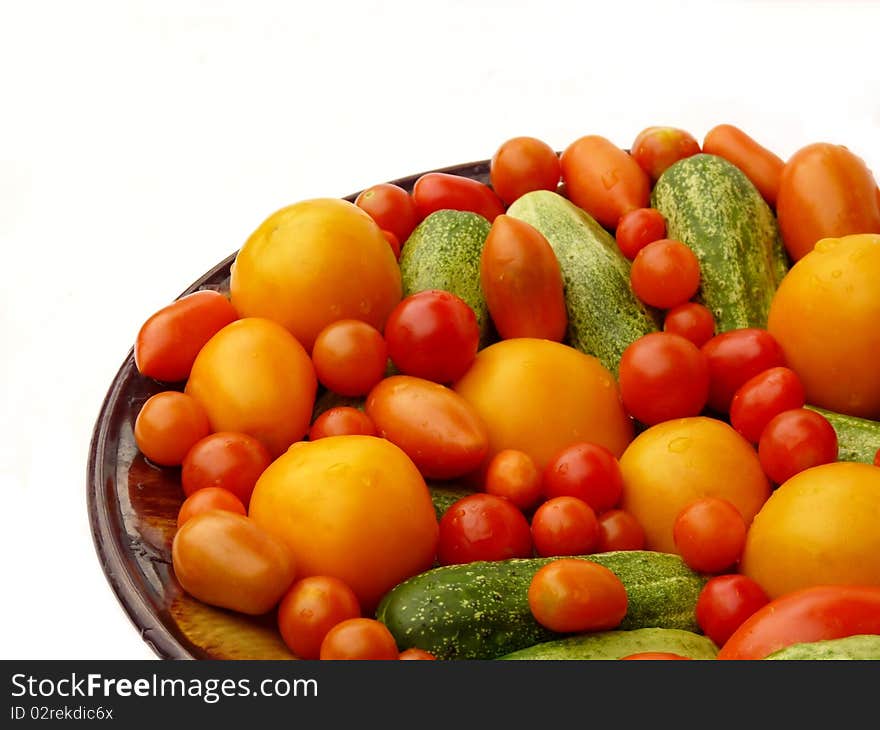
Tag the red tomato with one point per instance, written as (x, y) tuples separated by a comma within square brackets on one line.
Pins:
[(226, 459), (433, 335), (758, 163), (665, 274), (312, 607), (522, 282), (513, 474), (762, 397), (417, 655), (692, 321), (437, 428), (483, 527), (168, 425), (663, 376), (359, 638), (587, 471), (603, 179), (710, 535), (168, 342), (619, 530), (391, 207), (637, 229), (796, 440), (654, 655), (208, 499), (736, 356), (341, 421), (565, 526), (569, 595), (350, 357), (435, 191), (393, 241), (810, 614), (877, 458), (725, 602), (523, 164), (656, 148)]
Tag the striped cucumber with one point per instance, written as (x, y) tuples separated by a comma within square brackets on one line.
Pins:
[(858, 439)]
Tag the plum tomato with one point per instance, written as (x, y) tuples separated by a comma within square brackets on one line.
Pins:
[(762, 397), (391, 207), (692, 321), (226, 459), (564, 526), (665, 274), (637, 229), (587, 471), (168, 425), (359, 638), (483, 527), (795, 440), (513, 474), (761, 166), (521, 165), (656, 148), (725, 602), (204, 500), (350, 357), (710, 535), (416, 654), (342, 421), (435, 191), (619, 530)]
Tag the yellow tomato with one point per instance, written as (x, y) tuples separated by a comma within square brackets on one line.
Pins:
[(313, 263), (254, 377), (826, 317), (539, 396), (352, 507), (676, 462), (822, 526)]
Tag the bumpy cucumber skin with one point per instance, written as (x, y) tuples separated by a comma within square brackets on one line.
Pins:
[(481, 611), (857, 438), (618, 644), (443, 252), (604, 316), (862, 646), (710, 205)]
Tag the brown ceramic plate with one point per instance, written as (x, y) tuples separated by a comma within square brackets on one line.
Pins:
[(133, 512)]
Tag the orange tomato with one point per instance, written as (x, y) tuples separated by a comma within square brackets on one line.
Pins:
[(359, 638), (523, 164), (312, 607), (168, 425), (656, 148), (207, 499), (760, 165)]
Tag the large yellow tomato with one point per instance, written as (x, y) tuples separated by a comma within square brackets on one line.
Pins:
[(352, 507), (825, 316), (539, 396), (313, 263), (822, 526), (254, 377), (676, 462)]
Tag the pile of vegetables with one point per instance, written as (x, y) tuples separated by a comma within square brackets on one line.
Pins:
[(611, 405)]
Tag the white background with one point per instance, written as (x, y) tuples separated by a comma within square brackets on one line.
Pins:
[(142, 142)]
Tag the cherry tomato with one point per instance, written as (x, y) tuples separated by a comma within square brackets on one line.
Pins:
[(168, 342), (655, 655), (619, 530), (725, 602), (416, 654), (391, 207), (434, 335), (359, 638), (710, 535), (587, 471), (483, 527), (762, 397), (877, 458), (663, 376), (656, 148), (204, 500), (168, 426), (393, 241), (825, 192), (435, 191), (810, 614), (692, 321), (523, 164), (522, 282), (513, 474), (796, 440), (637, 229), (565, 526), (341, 421), (312, 607), (759, 164), (736, 356), (226, 459), (665, 274), (350, 357), (569, 595)]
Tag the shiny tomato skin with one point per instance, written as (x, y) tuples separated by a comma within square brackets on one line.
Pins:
[(168, 342), (393, 241), (710, 535), (414, 654), (692, 321), (725, 602), (483, 527), (565, 526), (760, 165), (392, 208), (521, 165), (656, 148), (312, 607), (619, 530), (665, 274), (350, 357), (168, 425), (795, 440), (587, 471), (435, 191), (762, 397), (637, 229), (226, 459), (359, 639), (512, 474), (341, 421), (204, 500)]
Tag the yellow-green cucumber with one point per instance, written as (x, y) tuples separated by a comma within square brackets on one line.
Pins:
[(618, 644), (861, 646), (604, 316), (480, 610), (858, 439), (711, 206)]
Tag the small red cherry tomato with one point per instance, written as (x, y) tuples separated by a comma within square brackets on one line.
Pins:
[(523, 164), (637, 229), (391, 207), (435, 191), (226, 459), (359, 638), (796, 440), (342, 421), (710, 535), (350, 357), (565, 526), (417, 655), (665, 274), (208, 499), (762, 397), (393, 241), (619, 530), (483, 527), (725, 602), (587, 471), (513, 474), (656, 148), (692, 321)]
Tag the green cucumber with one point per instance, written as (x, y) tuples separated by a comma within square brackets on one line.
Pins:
[(618, 644), (443, 252), (604, 316), (481, 611), (862, 646), (444, 495), (710, 205), (858, 439)]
